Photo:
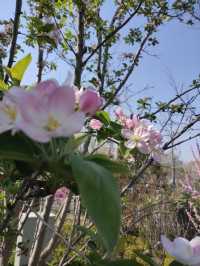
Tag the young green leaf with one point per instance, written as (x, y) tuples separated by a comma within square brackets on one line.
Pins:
[(100, 196), (18, 70), (104, 117), (15, 148), (3, 86)]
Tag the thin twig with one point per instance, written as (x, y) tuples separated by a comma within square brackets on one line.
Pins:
[(110, 35), (129, 72)]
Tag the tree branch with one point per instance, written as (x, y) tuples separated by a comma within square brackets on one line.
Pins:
[(174, 99), (18, 10), (105, 54), (110, 35), (130, 70), (81, 47)]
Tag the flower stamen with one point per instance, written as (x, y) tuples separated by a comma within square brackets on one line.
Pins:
[(10, 111), (52, 124)]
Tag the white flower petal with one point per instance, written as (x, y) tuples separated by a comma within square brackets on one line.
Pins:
[(127, 133), (130, 144), (182, 250), (71, 125), (167, 245)]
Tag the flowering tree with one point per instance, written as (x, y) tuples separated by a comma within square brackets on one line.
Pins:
[(47, 129)]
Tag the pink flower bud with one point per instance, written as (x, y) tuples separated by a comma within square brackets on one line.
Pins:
[(61, 193), (95, 124), (90, 101)]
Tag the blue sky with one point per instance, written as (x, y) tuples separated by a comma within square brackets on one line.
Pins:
[(177, 58)]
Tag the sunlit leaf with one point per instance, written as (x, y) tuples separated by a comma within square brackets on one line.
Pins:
[(114, 166), (3, 85), (18, 70), (100, 196)]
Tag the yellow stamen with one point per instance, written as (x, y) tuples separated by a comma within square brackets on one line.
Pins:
[(52, 124), (136, 138), (10, 111)]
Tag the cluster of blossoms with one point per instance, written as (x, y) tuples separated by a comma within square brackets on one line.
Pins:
[(188, 187), (186, 252), (140, 134), (47, 110)]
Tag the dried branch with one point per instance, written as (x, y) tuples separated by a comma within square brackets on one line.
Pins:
[(183, 141), (69, 246), (58, 226), (11, 208), (38, 243), (135, 178), (166, 146)]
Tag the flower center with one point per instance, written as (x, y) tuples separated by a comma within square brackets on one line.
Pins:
[(52, 124), (10, 111), (136, 138)]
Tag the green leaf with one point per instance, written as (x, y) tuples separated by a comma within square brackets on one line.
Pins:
[(73, 143), (117, 167), (104, 117), (15, 148), (100, 196), (18, 70), (3, 86), (146, 258)]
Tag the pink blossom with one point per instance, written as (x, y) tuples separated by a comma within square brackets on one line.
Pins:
[(186, 252), (133, 122), (89, 101), (119, 112), (157, 153), (189, 187), (95, 124), (47, 111), (9, 111), (136, 138), (140, 134), (78, 94), (121, 116), (155, 137), (45, 88), (127, 122)]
